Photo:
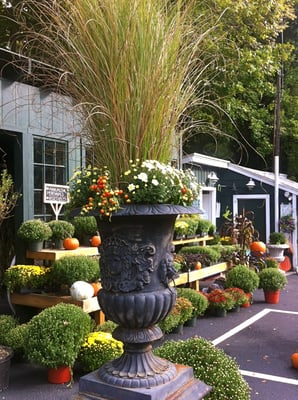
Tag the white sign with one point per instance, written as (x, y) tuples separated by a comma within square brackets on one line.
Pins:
[(56, 195)]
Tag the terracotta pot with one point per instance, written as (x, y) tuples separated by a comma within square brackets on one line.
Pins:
[(59, 375), (271, 297)]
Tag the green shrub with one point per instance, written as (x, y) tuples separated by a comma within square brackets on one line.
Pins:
[(98, 348), (210, 364), (70, 269), (34, 230), (198, 300), (16, 340), (272, 279), (207, 255), (61, 229), (85, 226), (203, 226), (277, 238), (242, 277), (107, 326), (271, 263), (55, 335), (7, 323)]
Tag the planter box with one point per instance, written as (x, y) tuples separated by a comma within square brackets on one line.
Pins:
[(40, 300)]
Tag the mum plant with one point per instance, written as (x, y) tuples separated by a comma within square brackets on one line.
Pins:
[(98, 348), (242, 277), (238, 295), (219, 299), (32, 277), (198, 300), (61, 229), (54, 336), (145, 182), (34, 230), (210, 364)]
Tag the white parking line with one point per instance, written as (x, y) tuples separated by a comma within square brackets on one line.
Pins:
[(267, 377), (245, 324)]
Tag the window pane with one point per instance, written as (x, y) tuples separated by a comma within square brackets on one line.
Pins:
[(60, 176), (37, 151), (49, 152), (38, 182), (38, 202), (50, 175), (60, 154)]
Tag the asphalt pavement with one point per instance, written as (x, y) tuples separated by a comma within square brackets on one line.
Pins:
[(261, 338)]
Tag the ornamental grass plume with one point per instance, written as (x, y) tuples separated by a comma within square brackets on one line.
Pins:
[(132, 68)]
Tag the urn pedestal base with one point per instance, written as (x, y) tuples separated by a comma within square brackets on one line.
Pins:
[(183, 387)]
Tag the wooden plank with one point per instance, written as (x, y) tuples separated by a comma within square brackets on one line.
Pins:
[(207, 271), (39, 300), (182, 279), (200, 240), (52, 255)]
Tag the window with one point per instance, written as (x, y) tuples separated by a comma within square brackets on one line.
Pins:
[(50, 166)]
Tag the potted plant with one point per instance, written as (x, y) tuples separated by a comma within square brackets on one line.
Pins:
[(60, 231), (277, 245), (272, 280), (198, 300), (98, 348), (67, 270), (203, 226), (287, 224), (181, 312), (6, 354), (26, 277), (242, 277), (85, 228), (54, 338), (219, 302), (239, 297), (34, 232)]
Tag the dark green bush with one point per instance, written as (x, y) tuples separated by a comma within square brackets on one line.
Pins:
[(55, 335), (242, 277), (70, 269), (207, 255), (16, 340), (7, 323), (211, 365)]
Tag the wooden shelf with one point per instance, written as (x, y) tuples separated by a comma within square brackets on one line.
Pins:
[(55, 254), (200, 240), (44, 300)]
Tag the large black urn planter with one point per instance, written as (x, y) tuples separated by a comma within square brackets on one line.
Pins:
[(137, 267)]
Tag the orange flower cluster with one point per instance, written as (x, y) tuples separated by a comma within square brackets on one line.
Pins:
[(220, 298)]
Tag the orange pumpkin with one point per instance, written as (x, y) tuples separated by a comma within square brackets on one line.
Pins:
[(71, 243), (96, 287), (294, 360), (198, 265), (95, 241), (258, 247)]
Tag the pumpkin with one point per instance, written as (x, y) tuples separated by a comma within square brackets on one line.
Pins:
[(71, 243), (95, 241), (81, 290), (294, 360), (258, 247), (198, 265), (96, 287)]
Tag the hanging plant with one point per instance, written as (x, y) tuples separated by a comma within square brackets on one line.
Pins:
[(287, 224)]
